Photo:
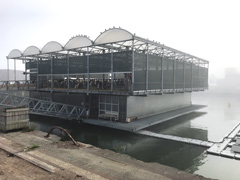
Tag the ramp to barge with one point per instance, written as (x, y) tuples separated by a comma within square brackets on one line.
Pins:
[(42, 107), (139, 124)]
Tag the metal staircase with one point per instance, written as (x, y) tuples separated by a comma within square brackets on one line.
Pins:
[(42, 107)]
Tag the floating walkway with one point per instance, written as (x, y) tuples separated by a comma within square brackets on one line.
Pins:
[(176, 138), (225, 146), (228, 146)]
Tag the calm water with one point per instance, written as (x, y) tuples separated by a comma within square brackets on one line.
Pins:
[(210, 123)]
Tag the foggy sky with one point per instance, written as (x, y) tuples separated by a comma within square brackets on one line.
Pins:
[(209, 29)]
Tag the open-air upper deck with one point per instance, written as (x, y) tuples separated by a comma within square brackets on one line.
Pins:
[(117, 62)]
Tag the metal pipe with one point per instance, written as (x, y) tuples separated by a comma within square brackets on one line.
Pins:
[(62, 130)]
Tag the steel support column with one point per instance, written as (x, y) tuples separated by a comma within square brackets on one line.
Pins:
[(14, 69), (207, 75), (51, 74), (204, 76), (8, 69), (133, 65), (198, 87), (88, 75), (26, 72), (37, 73), (162, 70), (174, 73), (147, 69), (112, 76), (68, 77), (184, 74), (192, 75)]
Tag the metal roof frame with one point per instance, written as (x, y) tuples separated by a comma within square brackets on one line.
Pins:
[(126, 41)]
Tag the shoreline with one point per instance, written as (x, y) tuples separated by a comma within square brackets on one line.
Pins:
[(83, 161)]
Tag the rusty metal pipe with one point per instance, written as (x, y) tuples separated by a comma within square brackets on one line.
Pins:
[(62, 130)]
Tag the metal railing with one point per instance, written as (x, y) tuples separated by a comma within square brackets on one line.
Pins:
[(42, 107), (17, 85)]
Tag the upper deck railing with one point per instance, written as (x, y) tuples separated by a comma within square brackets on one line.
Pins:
[(17, 85), (119, 89)]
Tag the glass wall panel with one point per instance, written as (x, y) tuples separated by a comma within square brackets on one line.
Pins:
[(139, 71), (100, 63), (195, 76), (188, 75), (201, 77), (168, 74), (179, 75), (60, 66), (44, 67), (109, 107), (154, 72), (206, 77), (122, 61), (31, 64), (78, 64)]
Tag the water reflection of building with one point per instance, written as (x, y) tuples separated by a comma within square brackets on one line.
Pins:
[(144, 148), (119, 75)]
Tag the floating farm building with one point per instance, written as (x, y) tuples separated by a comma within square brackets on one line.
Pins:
[(118, 76)]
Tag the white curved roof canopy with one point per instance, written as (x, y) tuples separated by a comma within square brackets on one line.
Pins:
[(78, 42), (52, 46), (14, 54), (31, 50), (113, 35)]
